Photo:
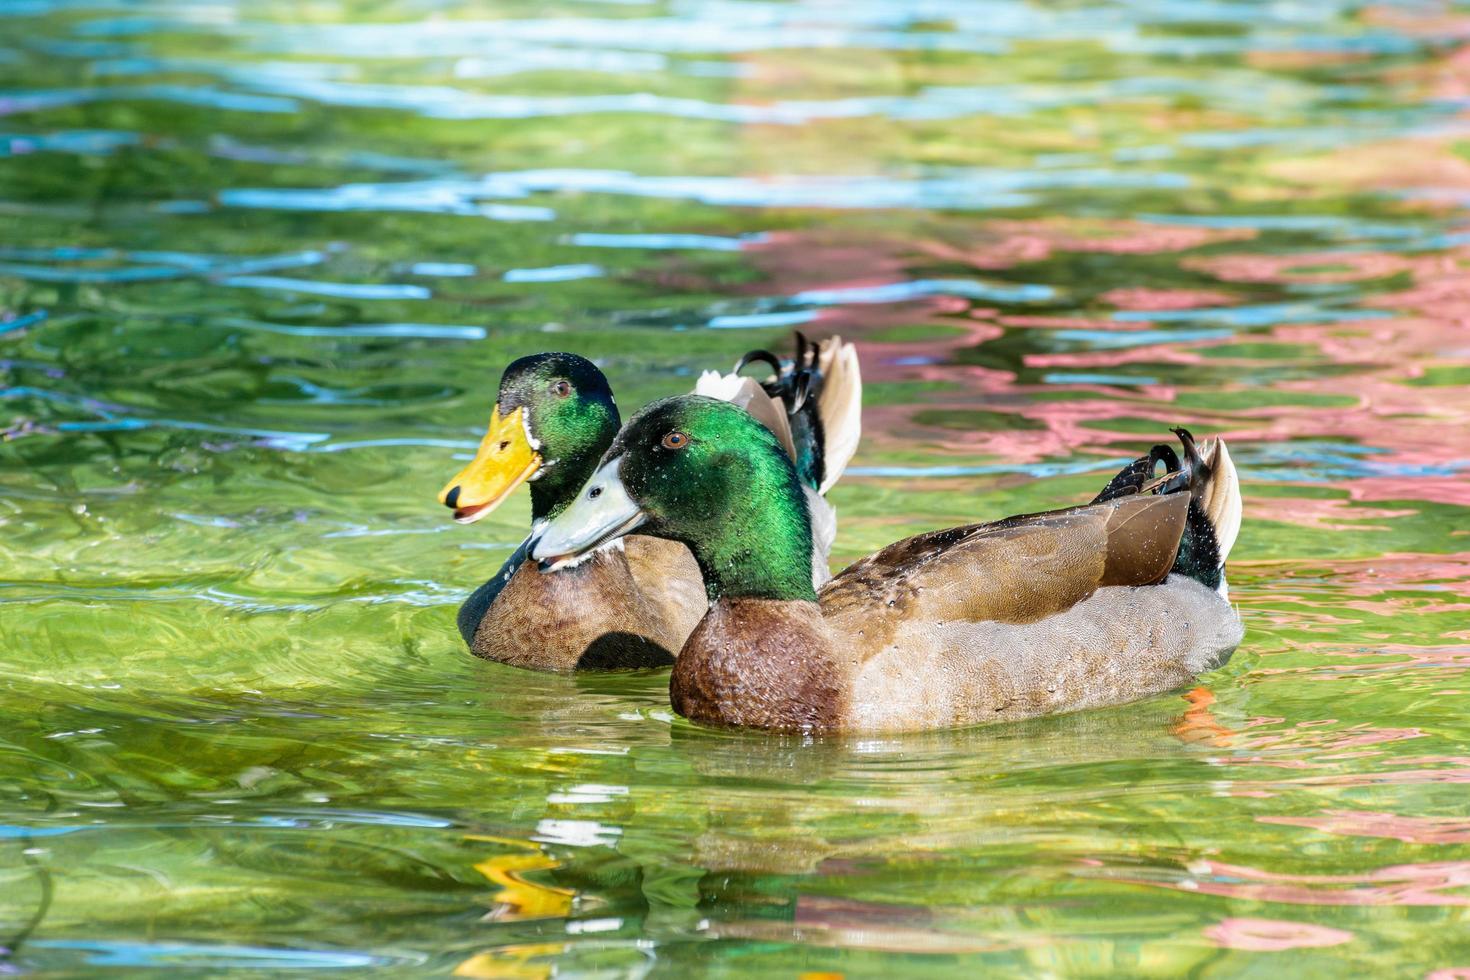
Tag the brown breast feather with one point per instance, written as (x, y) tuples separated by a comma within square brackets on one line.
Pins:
[(668, 578), (594, 615), (761, 663), (1017, 571)]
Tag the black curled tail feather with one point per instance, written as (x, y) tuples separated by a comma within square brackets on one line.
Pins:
[(1194, 473), (1138, 474), (797, 385)]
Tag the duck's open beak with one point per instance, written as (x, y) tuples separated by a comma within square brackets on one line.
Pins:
[(602, 512), (504, 461)]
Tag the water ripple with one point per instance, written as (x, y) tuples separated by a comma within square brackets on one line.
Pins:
[(665, 240), (262, 266), (34, 100), (158, 955), (339, 290), (962, 190)]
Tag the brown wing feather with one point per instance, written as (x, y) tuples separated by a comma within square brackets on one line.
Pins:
[(1018, 570), (1143, 534)]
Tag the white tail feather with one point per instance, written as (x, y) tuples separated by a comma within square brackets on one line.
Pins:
[(824, 533), (1221, 499), (713, 384), (840, 407)]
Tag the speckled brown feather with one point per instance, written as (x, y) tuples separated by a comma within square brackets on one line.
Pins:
[(628, 607), (761, 663), (1018, 570), (1119, 644), (668, 580)]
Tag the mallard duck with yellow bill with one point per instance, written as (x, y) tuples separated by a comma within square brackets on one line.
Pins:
[(634, 602)]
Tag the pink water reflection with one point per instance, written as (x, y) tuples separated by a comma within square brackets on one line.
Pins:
[(1362, 823), (1273, 935), (1455, 657), (1369, 577), (1396, 777), (1436, 883), (1358, 387), (1309, 267), (1004, 244), (1144, 298)]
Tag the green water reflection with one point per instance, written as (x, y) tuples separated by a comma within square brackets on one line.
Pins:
[(261, 265)]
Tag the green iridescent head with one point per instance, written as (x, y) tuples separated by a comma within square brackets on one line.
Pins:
[(551, 422), (706, 473)]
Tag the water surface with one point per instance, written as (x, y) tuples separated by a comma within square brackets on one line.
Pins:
[(261, 265)]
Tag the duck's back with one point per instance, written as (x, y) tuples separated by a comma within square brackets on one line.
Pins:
[(1027, 616)]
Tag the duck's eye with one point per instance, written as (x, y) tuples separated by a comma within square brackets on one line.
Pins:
[(675, 440), (561, 388)]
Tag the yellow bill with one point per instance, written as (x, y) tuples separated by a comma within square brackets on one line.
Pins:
[(503, 462)]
